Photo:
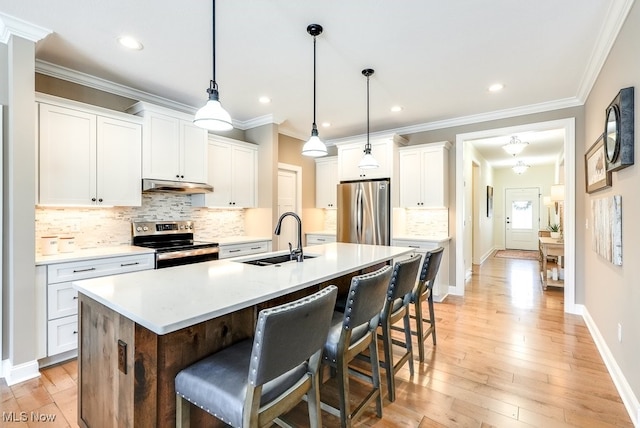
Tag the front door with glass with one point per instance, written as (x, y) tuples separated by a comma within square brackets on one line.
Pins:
[(522, 218)]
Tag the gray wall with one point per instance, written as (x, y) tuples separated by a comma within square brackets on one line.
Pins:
[(612, 293)]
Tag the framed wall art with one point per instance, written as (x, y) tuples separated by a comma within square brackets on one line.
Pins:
[(619, 131), (597, 176)]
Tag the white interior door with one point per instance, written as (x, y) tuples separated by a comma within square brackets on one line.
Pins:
[(522, 218), (287, 201)]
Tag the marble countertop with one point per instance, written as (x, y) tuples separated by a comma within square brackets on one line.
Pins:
[(166, 300), (92, 253), (230, 240)]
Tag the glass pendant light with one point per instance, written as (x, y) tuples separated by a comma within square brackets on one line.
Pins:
[(368, 161), (213, 116), (520, 167), (314, 146), (514, 146)]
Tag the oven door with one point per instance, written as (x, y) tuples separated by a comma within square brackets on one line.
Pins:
[(184, 257)]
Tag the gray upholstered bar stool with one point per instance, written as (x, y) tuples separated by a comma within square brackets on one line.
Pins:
[(396, 308), (351, 333), (424, 292), (252, 383)]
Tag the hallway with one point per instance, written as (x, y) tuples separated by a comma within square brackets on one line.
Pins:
[(507, 356)]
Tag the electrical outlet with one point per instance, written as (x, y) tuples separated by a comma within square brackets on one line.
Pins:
[(619, 332)]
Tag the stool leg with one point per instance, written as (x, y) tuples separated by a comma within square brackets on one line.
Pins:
[(375, 372), (407, 338), (182, 413), (432, 319), (419, 328), (313, 401), (342, 378), (388, 360)]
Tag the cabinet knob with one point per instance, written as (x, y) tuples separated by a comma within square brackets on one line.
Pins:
[(182, 176), (93, 199), (100, 200), (177, 175)]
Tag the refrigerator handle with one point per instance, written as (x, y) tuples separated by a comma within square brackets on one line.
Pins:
[(359, 209)]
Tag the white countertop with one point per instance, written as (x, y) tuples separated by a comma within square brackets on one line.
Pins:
[(230, 240), (422, 238), (322, 232), (166, 300), (92, 253)]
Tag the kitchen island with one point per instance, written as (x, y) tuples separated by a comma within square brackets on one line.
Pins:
[(138, 330)]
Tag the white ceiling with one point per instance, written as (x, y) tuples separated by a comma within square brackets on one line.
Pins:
[(434, 58)]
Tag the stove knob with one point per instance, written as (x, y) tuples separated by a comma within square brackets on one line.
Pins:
[(190, 226), (145, 228), (138, 229), (182, 226)]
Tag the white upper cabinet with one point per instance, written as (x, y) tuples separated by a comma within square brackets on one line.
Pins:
[(424, 171), (233, 172), (173, 147), (88, 156), (326, 182), (384, 149)]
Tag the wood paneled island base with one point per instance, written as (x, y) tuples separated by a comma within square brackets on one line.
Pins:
[(126, 372)]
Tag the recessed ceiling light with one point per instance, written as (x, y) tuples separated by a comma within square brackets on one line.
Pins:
[(496, 87), (130, 43), (396, 109), (326, 124), (264, 100)]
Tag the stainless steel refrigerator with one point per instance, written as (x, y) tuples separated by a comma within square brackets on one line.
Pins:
[(364, 212)]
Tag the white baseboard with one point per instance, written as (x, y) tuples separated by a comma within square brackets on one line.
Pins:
[(20, 373), (629, 399)]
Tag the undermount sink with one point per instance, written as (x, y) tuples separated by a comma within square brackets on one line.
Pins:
[(274, 260)]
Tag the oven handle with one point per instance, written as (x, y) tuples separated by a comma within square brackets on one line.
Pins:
[(186, 253)]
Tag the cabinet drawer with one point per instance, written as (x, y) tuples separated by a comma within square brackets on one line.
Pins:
[(62, 335), (235, 250), (320, 239), (62, 300), (72, 271)]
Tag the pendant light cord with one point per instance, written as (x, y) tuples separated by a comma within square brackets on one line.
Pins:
[(368, 147), (314, 83), (214, 85)]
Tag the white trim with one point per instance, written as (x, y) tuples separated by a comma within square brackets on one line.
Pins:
[(20, 373), (631, 402), (12, 26), (570, 182), (80, 78), (615, 17)]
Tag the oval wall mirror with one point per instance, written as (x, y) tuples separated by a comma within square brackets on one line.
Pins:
[(612, 133)]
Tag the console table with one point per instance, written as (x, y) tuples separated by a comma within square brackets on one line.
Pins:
[(551, 247)]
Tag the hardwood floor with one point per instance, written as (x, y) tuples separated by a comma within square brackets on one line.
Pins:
[(507, 356)]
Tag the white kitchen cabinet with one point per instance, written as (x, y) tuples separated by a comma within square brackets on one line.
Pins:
[(327, 182), (233, 173), (424, 173), (244, 249), (383, 148), (319, 239), (60, 325), (441, 284), (173, 148), (88, 156)]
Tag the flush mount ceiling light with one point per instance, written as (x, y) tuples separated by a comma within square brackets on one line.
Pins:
[(314, 147), (514, 146), (130, 43), (368, 161), (520, 167), (213, 116)]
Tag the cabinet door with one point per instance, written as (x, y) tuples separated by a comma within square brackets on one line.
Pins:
[(219, 175), (193, 153), (349, 157), (243, 182), (67, 156), (161, 147), (410, 179), (434, 178), (119, 172), (326, 182)]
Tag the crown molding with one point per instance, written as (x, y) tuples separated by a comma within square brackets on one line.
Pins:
[(468, 120), (11, 26), (267, 119), (612, 24)]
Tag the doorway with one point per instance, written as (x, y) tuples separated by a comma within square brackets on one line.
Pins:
[(462, 204), (522, 218), (289, 199)]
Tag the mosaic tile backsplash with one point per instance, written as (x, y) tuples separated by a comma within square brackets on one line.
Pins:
[(104, 227), (416, 222)]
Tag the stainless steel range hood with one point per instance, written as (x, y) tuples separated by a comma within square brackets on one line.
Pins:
[(182, 187)]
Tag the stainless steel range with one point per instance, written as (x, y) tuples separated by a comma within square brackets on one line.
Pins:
[(173, 242)]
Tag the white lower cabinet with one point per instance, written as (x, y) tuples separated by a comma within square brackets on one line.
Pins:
[(319, 239), (60, 301), (441, 285), (244, 249)]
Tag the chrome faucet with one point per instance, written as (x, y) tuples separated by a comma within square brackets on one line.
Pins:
[(297, 253)]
